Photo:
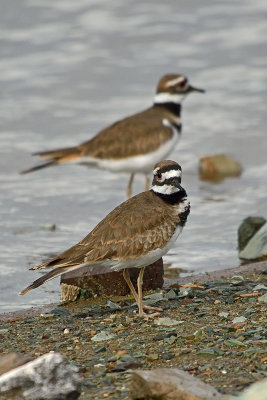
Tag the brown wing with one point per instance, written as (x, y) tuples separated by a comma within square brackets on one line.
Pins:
[(125, 137), (137, 225), (122, 139)]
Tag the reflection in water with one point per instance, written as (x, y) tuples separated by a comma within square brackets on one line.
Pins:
[(68, 69)]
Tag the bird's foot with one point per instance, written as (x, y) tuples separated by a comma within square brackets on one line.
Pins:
[(157, 312)]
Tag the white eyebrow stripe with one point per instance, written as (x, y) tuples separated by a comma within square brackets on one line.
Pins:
[(174, 82)]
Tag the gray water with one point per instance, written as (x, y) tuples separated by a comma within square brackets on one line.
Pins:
[(69, 68)]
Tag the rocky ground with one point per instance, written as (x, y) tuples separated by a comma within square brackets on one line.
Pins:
[(215, 329)]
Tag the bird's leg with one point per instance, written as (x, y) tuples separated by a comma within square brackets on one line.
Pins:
[(129, 283), (126, 276), (147, 182), (129, 187), (140, 292)]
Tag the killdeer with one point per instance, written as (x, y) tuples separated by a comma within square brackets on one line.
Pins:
[(135, 234), (133, 144)]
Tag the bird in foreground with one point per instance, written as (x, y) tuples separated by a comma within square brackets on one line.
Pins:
[(135, 234), (133, 144)]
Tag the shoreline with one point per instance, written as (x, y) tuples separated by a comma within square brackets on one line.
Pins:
[(204, 277)]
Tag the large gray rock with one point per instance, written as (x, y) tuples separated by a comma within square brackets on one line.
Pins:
[(170, 384), (252, 239), (47, 377)]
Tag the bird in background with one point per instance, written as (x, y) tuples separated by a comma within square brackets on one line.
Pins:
[(133, 144), (135, 234)]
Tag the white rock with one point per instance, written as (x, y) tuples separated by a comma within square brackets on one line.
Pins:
[(237, 279), (263, 298), (257, 391), (259, 287), (223, 314), (49, 377), (257, 245), (102, 336), (167, 321), (236, 320)]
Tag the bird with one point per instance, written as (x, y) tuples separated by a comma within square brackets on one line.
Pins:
[(133, 144), (135, 234)]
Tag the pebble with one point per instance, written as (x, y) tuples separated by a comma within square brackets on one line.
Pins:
[(237, 279), (113, 306), (60, 311), (259, 287), (167, 321), (237, 320), (263, 298), (101, 336), (100, 350), (167, 356), (170, 295), (223, 314)]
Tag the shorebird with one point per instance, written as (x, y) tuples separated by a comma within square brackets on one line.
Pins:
[(133, 144), (135, 234)]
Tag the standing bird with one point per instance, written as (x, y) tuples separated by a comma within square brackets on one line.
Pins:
[(135, 143), (135, 234)]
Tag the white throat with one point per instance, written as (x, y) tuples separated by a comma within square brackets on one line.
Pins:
[(165, 97), (165, 189)]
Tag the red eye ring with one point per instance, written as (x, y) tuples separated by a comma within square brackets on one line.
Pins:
[(158, 175)]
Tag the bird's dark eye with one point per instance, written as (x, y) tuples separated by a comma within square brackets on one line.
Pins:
[(181, 84), (158, 175)]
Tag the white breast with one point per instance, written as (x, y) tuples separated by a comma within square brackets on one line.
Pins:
[(142, 163)]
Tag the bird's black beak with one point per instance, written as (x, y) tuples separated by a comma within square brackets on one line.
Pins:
[(194, 89), (177, 182)]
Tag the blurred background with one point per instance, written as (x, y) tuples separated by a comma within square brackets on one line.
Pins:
[(70, 68)]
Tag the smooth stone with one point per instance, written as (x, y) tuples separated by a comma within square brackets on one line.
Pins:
[(102, 336), (256, 247), (170, 384), (259, 287), (170, 295), (223, 314), (113, 305), (167, 321), (216, 167), (237, 279), (256, 391), (237, 320), (247, 230), (263, 298)]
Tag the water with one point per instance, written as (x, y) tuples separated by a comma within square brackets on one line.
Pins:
[(68, 69)]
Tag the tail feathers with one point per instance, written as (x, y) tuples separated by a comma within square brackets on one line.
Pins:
[(55, 157), (39, 166), (59, 153), (50, 275)]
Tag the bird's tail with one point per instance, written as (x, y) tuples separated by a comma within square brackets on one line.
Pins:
[(50, 275), (55, 157)]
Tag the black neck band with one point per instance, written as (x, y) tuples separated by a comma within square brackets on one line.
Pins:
[(174, 108), (173, 198)]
